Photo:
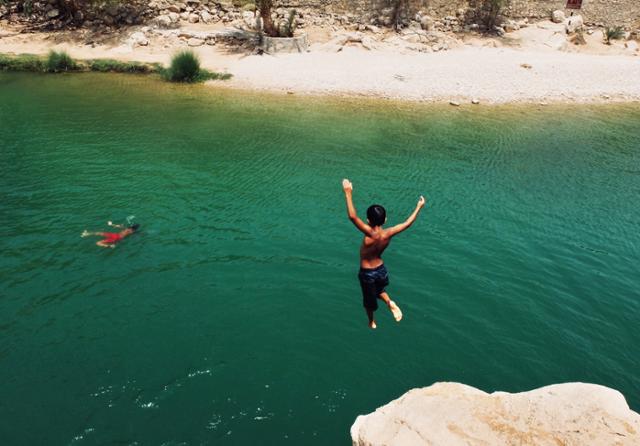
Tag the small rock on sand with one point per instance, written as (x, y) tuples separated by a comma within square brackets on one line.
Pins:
[(454, 103), (475, 101), (138, 38), (195, 42)]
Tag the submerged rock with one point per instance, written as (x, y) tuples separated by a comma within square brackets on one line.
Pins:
[(454, 414)]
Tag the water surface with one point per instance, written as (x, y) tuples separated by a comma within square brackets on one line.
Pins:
[(235, 316)]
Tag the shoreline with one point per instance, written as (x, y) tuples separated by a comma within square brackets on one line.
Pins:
[(522, 69)]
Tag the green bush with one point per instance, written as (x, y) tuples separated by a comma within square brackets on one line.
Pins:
[(114, 66), (206, 75), (185, 67), (23, 62), (58, 62), (613, 34), (289, 26)]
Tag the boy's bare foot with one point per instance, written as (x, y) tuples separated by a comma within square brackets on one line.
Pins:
[(397, 314), (373, 325)]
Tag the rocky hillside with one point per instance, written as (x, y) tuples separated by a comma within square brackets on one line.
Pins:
[(451, 414)]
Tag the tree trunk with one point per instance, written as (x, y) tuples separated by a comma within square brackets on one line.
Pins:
[(68, 7), (267, 23)]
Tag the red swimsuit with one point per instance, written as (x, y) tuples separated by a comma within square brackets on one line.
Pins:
[(111, 237)]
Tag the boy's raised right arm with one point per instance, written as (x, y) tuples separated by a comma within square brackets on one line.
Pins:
[(351, 210)]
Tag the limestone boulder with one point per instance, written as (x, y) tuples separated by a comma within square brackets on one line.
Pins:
[(205, 17), (631, 45), (557, 16), (138, 39), (426, 23), (163, 21), (453, 414), (573, 23)]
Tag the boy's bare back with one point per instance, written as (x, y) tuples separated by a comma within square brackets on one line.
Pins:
[(372, 248), (376, 238)]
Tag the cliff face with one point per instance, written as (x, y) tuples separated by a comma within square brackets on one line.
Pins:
[(452, 414)]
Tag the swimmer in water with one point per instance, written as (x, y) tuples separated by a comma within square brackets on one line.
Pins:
[(111, 238), (373, 274)]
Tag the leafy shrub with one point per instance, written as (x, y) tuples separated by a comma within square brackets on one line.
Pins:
[(290, 25), (115, 66), (58, 62), (185, 67), (206, 75), (613, 34), (23, 62)]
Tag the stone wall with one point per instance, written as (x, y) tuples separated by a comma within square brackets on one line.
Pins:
[(604, 12)]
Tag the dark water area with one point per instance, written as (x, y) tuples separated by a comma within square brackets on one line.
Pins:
[(234, 316)]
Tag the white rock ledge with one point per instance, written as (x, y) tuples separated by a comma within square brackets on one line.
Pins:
[(450, 414)]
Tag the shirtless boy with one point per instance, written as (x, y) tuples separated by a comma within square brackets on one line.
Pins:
[(373, 274), (111, 238)]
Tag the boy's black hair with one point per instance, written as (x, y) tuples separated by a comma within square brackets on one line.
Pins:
[(134, 227), (376, 215)]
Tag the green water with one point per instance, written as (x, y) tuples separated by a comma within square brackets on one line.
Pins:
[(235, 316)]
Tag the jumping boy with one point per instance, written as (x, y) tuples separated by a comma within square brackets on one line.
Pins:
[(111, 238), (373, 274)]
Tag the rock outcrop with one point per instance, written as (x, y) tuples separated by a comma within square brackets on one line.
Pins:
[(451, 414)]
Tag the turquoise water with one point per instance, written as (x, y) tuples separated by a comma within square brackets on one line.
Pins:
[(235, 316)]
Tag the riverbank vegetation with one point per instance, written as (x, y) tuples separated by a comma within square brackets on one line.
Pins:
[(185, 66)]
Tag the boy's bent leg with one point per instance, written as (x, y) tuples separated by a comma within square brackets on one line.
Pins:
[(395, 310)]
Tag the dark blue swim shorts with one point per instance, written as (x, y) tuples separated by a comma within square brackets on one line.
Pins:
[(373, 282)]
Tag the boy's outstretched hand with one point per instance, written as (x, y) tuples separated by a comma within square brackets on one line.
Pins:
[(347, 186), (421, 201)]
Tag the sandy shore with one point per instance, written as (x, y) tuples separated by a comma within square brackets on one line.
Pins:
[(525, 67)]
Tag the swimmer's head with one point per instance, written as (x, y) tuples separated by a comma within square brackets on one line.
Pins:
[(376, 215), (135, 227)]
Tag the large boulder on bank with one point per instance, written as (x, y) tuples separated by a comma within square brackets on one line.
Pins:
[(573, 23), (164, 21), (557, 16), (452, 414)]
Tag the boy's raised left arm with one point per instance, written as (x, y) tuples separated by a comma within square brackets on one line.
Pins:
[(409, 221)]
